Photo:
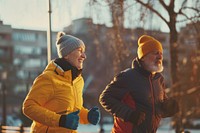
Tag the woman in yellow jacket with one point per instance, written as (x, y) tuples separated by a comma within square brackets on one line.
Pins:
[(54, 102)]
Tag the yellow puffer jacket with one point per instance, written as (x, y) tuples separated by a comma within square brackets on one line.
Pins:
[(53, 94)]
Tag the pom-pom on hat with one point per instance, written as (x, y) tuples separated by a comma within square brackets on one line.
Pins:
[(147, 44), (65, 44)]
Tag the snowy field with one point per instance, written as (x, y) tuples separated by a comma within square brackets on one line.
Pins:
[(107, 128), (164, 128)]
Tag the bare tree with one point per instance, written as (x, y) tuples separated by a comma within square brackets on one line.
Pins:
[(174, 16), (171, 20), (115, 39), (116, 9)]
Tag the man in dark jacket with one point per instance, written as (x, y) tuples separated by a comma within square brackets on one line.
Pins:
[(136, 96)]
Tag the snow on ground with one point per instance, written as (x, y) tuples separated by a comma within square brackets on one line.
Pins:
[(165, 128)]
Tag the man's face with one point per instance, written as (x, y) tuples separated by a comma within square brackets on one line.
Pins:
[(152, 62)]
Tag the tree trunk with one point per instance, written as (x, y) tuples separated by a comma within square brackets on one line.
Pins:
[(173, 45), (173, 53), (118, 28)]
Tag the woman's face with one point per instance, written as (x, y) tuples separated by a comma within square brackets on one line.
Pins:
[(76, 57)]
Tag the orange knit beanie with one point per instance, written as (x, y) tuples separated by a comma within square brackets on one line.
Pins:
[(148, 44)]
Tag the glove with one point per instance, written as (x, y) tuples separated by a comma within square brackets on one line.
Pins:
[(169, 107), (137, 117), (94, 116), (70, 121)]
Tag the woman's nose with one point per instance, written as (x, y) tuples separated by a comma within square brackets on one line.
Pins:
[(84, 55)]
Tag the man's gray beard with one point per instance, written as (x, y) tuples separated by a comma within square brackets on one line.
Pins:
[(154, 68)]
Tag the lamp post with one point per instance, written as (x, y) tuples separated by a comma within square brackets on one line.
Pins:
[(3, 88), (49, 35)]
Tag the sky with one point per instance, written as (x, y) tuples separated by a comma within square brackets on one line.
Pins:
[(33, 14)]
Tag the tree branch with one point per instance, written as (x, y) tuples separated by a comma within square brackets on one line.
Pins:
[(153, 10), (188, 18), (163, 4), (182, 5), (192, 8)]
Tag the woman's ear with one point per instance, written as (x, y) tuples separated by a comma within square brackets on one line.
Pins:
[(66, 57)]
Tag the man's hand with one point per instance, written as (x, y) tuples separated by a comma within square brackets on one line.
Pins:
[(94, 116), (169, 107)]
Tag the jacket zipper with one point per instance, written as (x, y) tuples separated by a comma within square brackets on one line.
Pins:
[(154, 111), (47, 129), (75, 97), (153, 100)]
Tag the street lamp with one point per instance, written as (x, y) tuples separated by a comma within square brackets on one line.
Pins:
[(3, 88), (49, 34)]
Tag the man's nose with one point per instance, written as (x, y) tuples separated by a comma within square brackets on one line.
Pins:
[(160, 55)]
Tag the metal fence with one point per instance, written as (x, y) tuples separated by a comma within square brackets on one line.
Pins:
[(12, 129), (22, 129)]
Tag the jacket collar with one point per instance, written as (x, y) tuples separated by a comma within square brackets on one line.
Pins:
[(137, 65), (66, 66), (68, 74)]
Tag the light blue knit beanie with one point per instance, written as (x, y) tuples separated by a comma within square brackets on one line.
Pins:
[(67, 43)]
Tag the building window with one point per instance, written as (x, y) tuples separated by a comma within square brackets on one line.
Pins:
[(28, 37), (27, 50)]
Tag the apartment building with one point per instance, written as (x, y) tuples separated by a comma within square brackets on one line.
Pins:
[(6, 48)]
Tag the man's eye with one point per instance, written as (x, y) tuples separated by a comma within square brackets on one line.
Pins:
[(156, 53)]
